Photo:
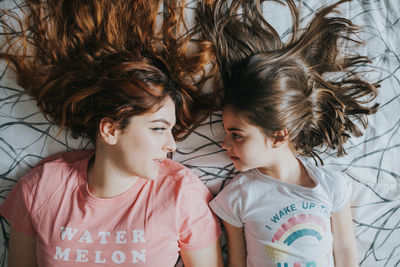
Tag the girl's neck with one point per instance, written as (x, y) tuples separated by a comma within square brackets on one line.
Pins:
[(290, 170), (104, 180)]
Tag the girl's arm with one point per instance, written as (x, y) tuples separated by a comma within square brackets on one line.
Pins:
[(344, 242), (236, 245), (210, 256), (22, 250)]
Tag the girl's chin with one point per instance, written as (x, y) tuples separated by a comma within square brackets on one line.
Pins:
[(240, 168)]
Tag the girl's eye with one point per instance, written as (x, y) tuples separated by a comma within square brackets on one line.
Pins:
[(159, 130), (236, 137)]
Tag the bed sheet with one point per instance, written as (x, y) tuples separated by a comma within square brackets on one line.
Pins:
[(372, 162)]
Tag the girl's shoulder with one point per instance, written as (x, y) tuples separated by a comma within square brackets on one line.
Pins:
[(185, 185), (67, 157), (60, 166), (333, 181), (177, 174), (52, 175), (328, 174), (55, 172), (175, 170)]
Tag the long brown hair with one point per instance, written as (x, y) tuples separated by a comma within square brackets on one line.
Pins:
[(308, 86), (85, 60)]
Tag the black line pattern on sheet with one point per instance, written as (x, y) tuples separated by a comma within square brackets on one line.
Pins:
[(371, 163)]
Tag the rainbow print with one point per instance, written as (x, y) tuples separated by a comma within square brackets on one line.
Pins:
[(294, 228), (299, 226)]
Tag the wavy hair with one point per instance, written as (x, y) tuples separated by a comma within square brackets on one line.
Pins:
[(308, 85), (85, 60)]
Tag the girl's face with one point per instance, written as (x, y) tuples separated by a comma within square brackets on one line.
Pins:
[(145, 142), (247, 146)]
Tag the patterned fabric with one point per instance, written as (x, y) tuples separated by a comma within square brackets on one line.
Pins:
[(371, 162)]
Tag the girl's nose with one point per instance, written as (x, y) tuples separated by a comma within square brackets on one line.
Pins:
[(226, 145), (170, 145)]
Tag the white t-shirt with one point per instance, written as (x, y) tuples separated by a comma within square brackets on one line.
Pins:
[(284, 224)]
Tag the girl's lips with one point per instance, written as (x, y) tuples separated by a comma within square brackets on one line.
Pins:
[(233, 158)]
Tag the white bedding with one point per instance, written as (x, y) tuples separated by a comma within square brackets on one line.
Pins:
[(372, 162)]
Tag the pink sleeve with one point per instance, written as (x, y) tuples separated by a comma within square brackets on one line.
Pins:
[(18, 205), (198, 226)]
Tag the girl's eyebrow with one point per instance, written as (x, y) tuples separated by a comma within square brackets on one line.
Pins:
[(232, 128), (235, 129), (163, 121)]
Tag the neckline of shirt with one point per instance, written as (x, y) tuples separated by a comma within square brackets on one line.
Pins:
[(90, 198), (310, 171)]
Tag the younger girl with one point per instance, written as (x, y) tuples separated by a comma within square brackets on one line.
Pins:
[(282, 102), (98, 69)]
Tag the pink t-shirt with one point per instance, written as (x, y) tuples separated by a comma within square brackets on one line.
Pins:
[(145, 226)]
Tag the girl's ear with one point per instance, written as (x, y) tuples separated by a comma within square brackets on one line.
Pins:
[(108, 131), (280, 137)]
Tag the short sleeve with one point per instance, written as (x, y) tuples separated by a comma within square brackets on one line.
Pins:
[(18, 205), (227, 205), (342, 190), (198, 227)]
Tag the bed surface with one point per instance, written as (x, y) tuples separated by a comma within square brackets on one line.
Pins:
[(372, 162)]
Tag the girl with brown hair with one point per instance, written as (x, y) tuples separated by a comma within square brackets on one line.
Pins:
[(103, 70), (283, 103)]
